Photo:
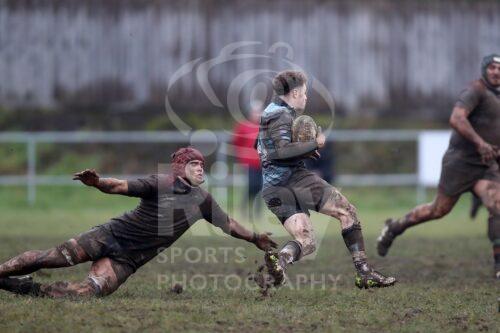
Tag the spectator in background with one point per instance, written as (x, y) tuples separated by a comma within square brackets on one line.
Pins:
[(244, 136), (324, 166)]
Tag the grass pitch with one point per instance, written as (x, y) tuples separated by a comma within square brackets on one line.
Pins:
[(444, 270)]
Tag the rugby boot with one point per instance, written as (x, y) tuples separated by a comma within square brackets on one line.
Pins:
[(367, 277), (22, 285), (384, 241), (276, 265)]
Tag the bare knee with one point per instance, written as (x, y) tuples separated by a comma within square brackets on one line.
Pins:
[(352, 214), (492, 200), (107, 275), (340, 208), (494, 209), (103, 286), (489, 192), (348, 216)]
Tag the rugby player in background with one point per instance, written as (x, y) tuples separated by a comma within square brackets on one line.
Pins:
[(471, 162), (290, 190), (170, 204)]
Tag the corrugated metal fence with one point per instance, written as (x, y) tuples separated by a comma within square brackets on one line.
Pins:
[(370, 54)]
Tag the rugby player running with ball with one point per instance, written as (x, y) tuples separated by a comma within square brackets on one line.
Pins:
[(290, 190)]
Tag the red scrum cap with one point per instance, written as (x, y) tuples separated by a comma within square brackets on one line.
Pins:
[(182, 157)]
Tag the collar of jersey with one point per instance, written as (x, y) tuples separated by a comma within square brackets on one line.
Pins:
[(181, 187), (278, 101), (492, 88)]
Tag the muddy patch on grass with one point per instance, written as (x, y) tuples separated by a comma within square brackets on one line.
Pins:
[(461, 321), (411, 313), (263, 280), (177, 288)]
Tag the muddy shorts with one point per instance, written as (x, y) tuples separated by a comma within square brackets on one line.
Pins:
[(304, 191), (99, 243), (460, 172)]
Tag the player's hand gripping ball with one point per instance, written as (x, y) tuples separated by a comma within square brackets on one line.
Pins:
[(304, 129)]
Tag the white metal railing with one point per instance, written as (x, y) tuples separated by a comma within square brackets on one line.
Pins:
[(31, 179)]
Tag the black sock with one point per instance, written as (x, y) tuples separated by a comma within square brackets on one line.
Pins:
[(353, 238), (398, 226), (496, 254), (20, 286), (494, 236)]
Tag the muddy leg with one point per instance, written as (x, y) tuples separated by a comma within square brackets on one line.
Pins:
[(104, 278), (64, 255)]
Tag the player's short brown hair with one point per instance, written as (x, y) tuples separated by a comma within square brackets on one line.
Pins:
[(286, 81)]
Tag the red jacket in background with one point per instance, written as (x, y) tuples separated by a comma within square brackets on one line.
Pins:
[(244, 137)]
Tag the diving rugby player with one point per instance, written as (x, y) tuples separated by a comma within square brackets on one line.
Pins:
[(471, 163), (290, 190), (170, 204)]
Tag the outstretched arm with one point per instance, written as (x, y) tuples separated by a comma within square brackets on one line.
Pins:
[(460, 122), (214, 214), (107, 185), (236, 230)]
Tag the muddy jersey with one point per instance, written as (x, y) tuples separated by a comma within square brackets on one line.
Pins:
[(483, 103), (279, 156), (166, 210), (462, 166)]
